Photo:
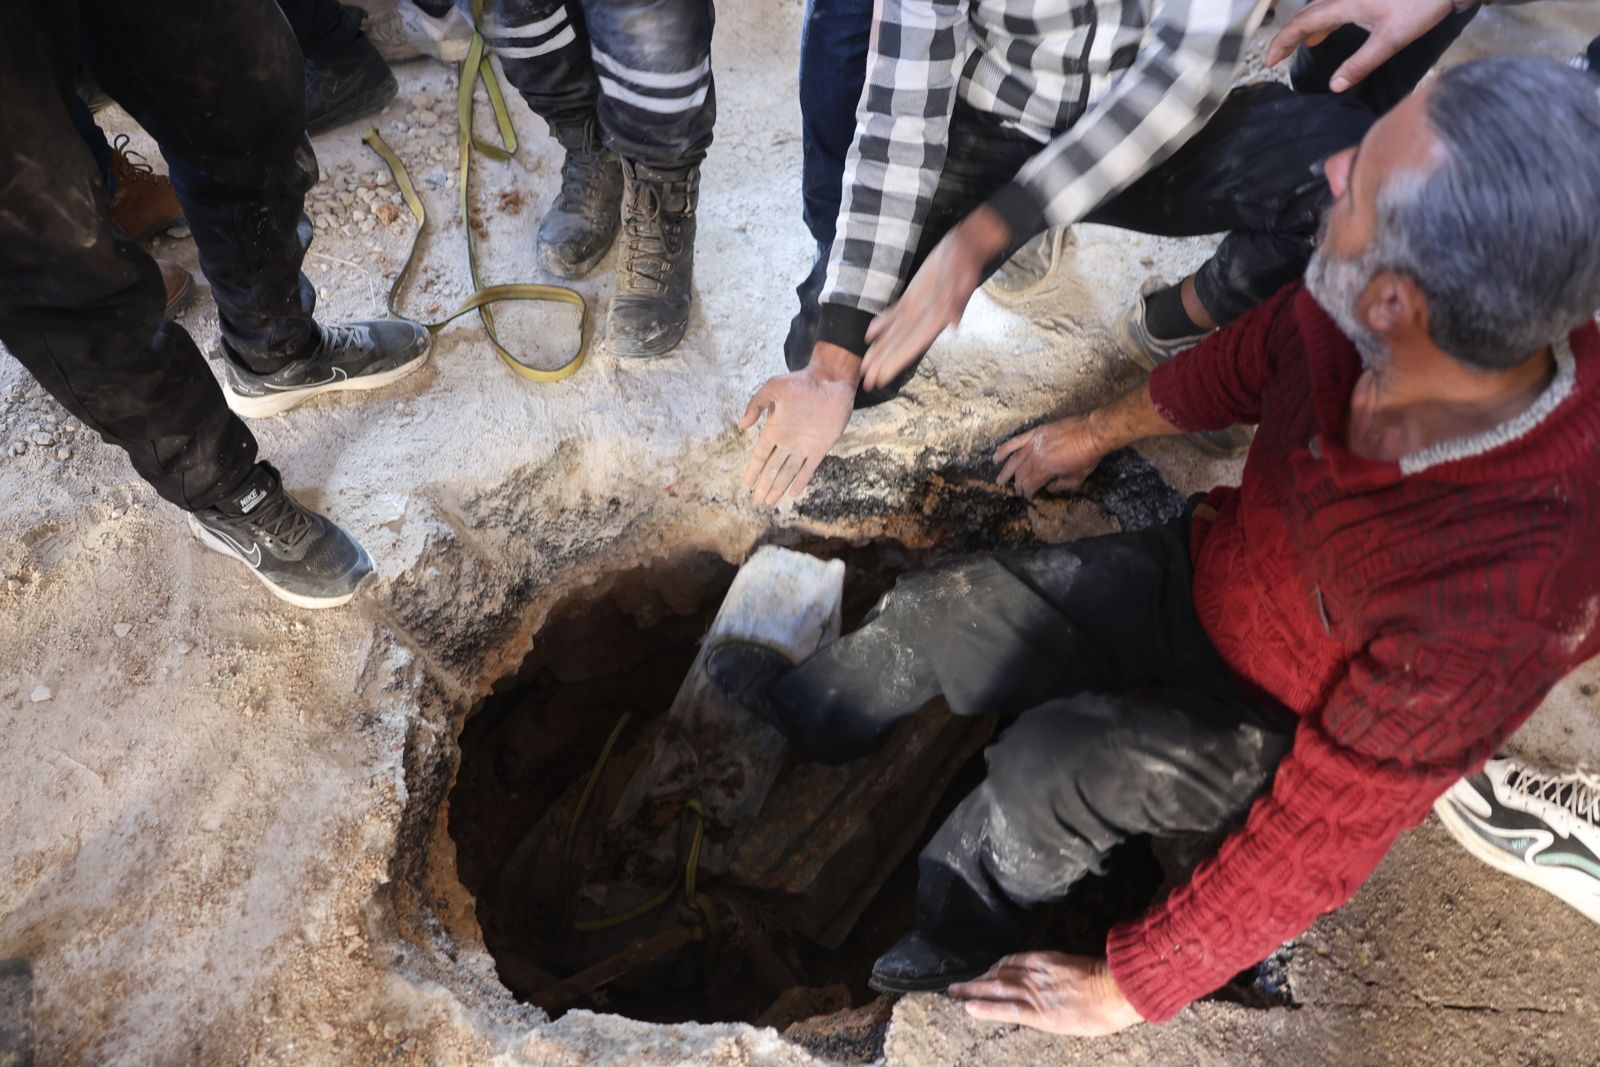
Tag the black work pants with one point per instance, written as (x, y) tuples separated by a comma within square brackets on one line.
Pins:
[(1121, 717), (1254, 170), (220, 89), (644, 66), (324, 29)]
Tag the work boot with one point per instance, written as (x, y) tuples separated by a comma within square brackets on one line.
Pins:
[(178, 283), (917, 965), (361, 355), (143, 203), (578, 230), (655, 266), (347, 85), (303, 557)]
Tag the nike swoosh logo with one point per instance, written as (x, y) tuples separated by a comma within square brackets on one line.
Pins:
[(252, 557), (337, 374)]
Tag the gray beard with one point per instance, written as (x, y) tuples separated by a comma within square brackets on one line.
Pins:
[(1336, 284)]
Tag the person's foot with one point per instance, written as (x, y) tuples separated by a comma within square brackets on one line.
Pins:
[(1588, 60), (360, 355), (409, 32), (351, 84), (917, 965), (143, 204), (179, 284), (1542, 828), (649, 310), (745, 671), (578, 230), (304, 558), (1031, 268), (1146, 351)]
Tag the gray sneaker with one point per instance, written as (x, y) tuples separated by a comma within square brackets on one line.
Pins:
[(1148, 352), (361, 355), (304, 558), (1031, 268)]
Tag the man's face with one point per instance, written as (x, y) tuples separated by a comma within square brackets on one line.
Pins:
[(1347, 257)]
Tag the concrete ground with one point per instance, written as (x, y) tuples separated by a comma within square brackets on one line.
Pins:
[(221, 822)]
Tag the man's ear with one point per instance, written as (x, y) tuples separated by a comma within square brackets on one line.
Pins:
[(1394, 307)]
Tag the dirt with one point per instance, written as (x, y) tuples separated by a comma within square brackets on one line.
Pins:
[(224, 824)]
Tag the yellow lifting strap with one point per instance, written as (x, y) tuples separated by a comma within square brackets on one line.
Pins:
[(476, 68)]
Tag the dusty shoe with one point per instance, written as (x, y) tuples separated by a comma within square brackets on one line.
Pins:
[(179, 284), (917, 965), (1031, 268), (144, 203), (361, 355), (352, 84), (304, 558), (1542, 828), (408, 32), (578, 230), (655, 266), (1147, 352)]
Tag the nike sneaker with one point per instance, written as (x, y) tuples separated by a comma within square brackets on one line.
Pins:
[(303, 557), (407, 32), (349, 83), (361, 355), (1542, 828)]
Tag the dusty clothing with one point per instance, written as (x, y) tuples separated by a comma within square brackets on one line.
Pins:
[(644, 66), (81, 307), (1413, 614), (1121, 717)]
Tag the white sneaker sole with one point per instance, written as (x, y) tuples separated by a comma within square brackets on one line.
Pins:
[(216, 544), (264, 407), (1571, 887)]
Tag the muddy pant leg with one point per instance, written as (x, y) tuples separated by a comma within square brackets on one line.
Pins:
[(544, 51), (221, 89), (653, 59), (1256, 170), (93, 136), (1390, 83), (1072, 778), (80, 307), (1005, 633)]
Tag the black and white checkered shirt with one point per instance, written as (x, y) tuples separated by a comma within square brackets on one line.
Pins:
[(1107, 87)]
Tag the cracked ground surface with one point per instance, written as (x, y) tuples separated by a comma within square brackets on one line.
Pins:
[(222, 835)]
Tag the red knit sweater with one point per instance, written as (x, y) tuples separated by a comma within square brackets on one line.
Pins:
[(1412, 614)]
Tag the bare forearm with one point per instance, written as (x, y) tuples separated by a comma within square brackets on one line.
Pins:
[(1130, 418)]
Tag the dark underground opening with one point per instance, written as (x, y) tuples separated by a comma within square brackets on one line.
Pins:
[(823, 882)]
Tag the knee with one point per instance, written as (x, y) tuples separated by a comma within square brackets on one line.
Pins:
[(655, 36)]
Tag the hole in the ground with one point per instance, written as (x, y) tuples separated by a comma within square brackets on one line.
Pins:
[(816, 890)]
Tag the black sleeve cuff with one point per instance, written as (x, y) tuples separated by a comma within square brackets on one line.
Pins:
[(1022, 211), (846, 327)]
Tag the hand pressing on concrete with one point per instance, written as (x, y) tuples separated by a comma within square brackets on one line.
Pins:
[(1056, 456), (1050, 991), (806, 411), (937, 297), (1390, 26)]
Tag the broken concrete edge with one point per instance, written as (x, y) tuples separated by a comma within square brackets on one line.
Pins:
[(496, 565)]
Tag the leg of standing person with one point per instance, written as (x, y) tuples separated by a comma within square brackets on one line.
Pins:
[(833, 68), (345, 77)]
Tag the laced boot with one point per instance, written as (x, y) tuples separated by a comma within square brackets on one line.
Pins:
[(577, 232), (655, 268), (144, 204)]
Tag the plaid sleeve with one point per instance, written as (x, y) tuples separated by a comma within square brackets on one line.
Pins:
[(893, 167), (1187, 62)]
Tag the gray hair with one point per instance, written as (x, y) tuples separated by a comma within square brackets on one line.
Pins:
[(1503, 234)]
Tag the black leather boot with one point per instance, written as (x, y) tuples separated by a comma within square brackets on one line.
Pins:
[(577, 232), (655, 265)]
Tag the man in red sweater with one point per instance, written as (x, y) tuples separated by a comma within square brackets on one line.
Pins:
[(1310, 659)]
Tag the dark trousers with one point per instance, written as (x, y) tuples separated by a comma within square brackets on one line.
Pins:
[(643, 66), (220, 89), (1253, 170), (1121, 717), (833, 68), (323, 28)]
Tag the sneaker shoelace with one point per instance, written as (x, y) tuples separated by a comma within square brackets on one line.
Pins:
[(1578, 792), (339, 338), (281, 521)]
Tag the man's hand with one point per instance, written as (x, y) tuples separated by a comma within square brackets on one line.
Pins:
[(806, 412), (1057, 456), (1390, 26), (1050, 991), (937, 297)]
